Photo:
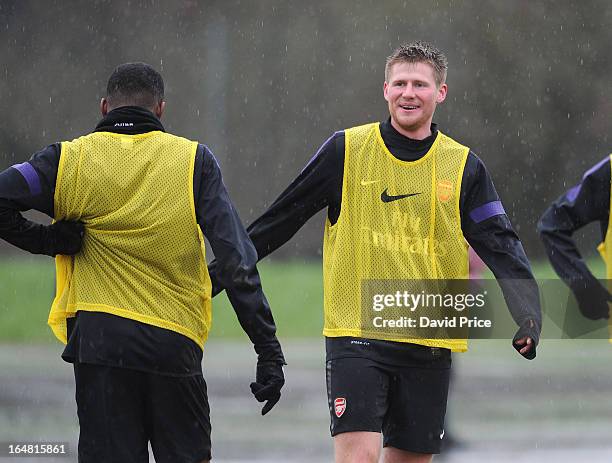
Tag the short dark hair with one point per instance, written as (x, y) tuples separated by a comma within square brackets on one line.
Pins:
[(135, 84), (419, 52)]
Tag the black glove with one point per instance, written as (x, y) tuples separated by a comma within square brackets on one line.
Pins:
[(270, 379), (63, 237), (592, 299), (527, 335)]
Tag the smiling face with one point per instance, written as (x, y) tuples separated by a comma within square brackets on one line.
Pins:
[(412, 94)]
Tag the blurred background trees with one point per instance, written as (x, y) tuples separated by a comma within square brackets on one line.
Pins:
[(264, 83)]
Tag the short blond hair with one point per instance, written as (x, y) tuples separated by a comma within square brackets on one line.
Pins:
[(419, 52)]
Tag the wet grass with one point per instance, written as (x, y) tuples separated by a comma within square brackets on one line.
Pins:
[(27, 286), (294, 290)]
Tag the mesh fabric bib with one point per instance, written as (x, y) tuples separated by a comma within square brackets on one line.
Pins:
[(143, 253), (605, 250), (398, 220)]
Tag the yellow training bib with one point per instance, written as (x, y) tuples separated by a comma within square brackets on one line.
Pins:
[(143, 251), (398, 220), (605, 249)]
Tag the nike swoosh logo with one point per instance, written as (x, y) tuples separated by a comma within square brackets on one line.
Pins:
[(368, 182), (385, 198)]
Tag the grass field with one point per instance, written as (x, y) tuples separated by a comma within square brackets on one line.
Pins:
[(27, 286), (503, 408), (294, 290)]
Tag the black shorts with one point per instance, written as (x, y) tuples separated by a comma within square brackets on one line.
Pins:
[(406, 403), (121, 410)]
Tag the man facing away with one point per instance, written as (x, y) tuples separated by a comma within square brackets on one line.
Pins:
[(366, 176), (584, 203), (131, 205)]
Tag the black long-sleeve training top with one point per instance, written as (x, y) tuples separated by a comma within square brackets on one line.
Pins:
[(105, 339), (586, 202), (484, 223)]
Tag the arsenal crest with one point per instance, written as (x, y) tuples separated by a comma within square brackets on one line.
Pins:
[(340, 406), (444, 190)]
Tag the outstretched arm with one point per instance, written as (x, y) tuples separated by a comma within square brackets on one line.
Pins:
[(305, 196)]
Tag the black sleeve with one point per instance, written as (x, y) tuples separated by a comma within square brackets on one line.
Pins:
[(25, 186), (488, 230), (236, 257), (587, 202), (310, 192), (316, 187)]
